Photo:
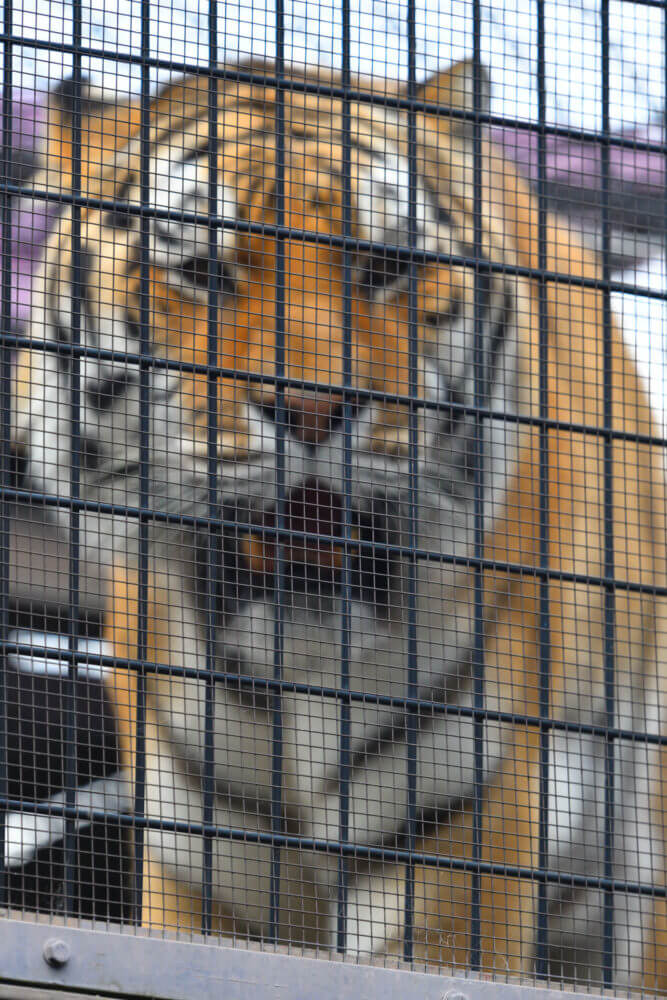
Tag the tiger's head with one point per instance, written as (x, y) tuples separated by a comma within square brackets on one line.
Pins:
[(279, 354)]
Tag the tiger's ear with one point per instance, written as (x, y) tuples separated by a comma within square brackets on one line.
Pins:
[(106, 125), (455, 88)]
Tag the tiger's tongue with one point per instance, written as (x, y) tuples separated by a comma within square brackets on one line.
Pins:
[(311, 509)]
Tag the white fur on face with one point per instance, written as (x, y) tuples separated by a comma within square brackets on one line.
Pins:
[(179, 186)]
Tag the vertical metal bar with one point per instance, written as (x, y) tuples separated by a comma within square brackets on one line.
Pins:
[(214, 556), (7, 97), (413, 527), (281, 423), (344, 741), (69, 683), (610, 593), (541, 956), (144, 455), (478, 471)]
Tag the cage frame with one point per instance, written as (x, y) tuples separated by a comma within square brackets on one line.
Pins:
[(139, 964)]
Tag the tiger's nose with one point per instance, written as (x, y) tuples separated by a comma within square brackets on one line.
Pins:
[(310, 417)]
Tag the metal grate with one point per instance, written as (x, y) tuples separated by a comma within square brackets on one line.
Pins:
[(350, 597)]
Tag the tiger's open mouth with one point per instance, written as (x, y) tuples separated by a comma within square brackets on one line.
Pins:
[(313, 534), (313, 519)]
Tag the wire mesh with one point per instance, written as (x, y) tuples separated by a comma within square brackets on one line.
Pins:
[(333, 531)]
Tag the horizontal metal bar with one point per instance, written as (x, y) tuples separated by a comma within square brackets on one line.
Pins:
[(289, 84), (401, 703), (137, 963), (356, 544), (347, 392), (403, 253), (349, 849)]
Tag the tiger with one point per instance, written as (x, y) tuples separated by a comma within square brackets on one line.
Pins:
[(412, 414)]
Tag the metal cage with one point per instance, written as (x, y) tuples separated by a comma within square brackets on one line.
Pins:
[(75, 918)]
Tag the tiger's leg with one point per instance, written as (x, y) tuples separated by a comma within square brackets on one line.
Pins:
[(165, 903), (510, 837), (443, 897), (654, 971), (170, 902), (654, 977)]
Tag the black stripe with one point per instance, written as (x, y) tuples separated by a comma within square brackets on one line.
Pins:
[(499, 335), (120, 218)]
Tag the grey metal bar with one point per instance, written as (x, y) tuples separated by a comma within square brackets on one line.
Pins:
[(402, 253), (479, 362), (214, 597), (519, 569), (320, 691), (69, 688), (144, 460), (277, 823), (541, 949), (359, 395), (344, 755), (122, 965), (383, 855), (608, 515), (5, 392), (365, 97), (412, 685)]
